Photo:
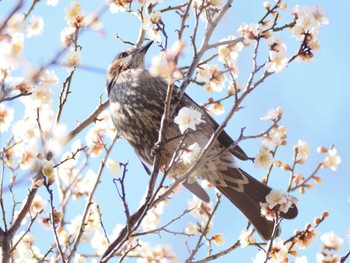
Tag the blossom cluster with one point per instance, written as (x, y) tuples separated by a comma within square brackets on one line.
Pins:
[(203, 212)]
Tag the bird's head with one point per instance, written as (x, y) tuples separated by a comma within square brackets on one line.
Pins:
[(130, 58)]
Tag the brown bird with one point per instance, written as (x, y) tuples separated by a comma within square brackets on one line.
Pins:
[(137, 104)]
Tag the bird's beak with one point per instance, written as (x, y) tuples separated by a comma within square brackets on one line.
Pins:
[(144, 48)]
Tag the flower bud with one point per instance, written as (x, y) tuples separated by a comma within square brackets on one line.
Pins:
[(267, 5), (324, 214), (321, 149)]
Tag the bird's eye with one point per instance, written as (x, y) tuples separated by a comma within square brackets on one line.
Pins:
[(123, 55)]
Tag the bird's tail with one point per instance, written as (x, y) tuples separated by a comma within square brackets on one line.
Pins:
[(248, 201)]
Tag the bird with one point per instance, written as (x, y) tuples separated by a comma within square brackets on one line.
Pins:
[(137, 101)]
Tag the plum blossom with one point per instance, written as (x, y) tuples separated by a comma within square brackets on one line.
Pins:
[(38, 204), (188, 118), (79, 258), (302, 259), (191, 229), (276, 137), (246, 238), (307, 238), (277, 62), (72, 61), (263, 159), (216, 108), (198, 208), (212, 76), (52, 3), (229, 53), (218, 239), (303, 150), (332, 241), (6, 117), (74, 14), (114, 167), (190, 154), (47, 168), (276, 199), (15, 23), (35, 26), (99, 242), (118, 6), (249, 32), (332, 159)]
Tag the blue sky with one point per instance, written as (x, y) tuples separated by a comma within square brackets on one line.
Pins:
[(315, 98)]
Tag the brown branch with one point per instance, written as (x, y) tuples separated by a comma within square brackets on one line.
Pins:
[(31, 8), (15, 97), (344, 258), (163, 228), (219, 254), (54, 227), (91, 118)]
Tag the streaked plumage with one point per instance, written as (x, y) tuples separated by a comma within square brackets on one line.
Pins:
[(136, 105)]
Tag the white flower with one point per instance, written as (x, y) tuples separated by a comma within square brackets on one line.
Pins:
[(118, 6), (66, 36), (191, 229), (277, 136), (48, 78), (198, 208), (212, 76), (15, 23), (249, 32), (150, 2), (74, 14), (35, 26), (37, 205), (327, 257), (188, 119), (218, 239), (114, 167), (332, 159), (190, 154), (72, 61), (302, 259), (229, 53), (278, 61), (217, 108), (73, 226), (52, 2), (273, 114), (10, 52), (332, 241), (278, 198), (6, 117), (86, 184), (42, 95), (150, 19), (275, 197), (99, 242), (150, 221), (47, 168), (79, 258), (264, 158), (303, 150), (58, 138), (246, 238), (260, 257)]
